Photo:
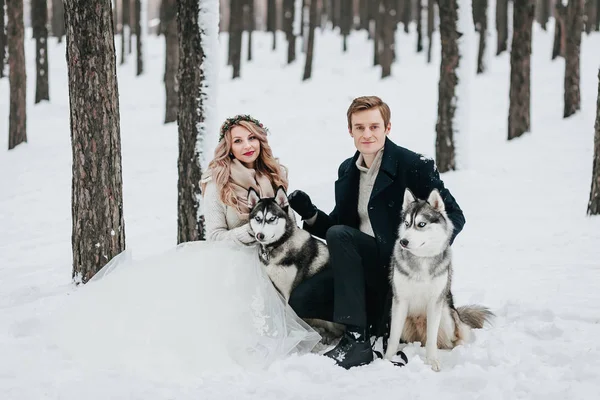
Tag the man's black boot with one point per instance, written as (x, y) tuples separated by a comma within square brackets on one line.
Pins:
[(353, 350)]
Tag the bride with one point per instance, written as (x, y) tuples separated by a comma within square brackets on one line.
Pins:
[(202, 305)]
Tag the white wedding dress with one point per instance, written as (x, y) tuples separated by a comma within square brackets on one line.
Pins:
[(200, 307)]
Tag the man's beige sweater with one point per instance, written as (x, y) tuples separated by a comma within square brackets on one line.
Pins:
[(365, 187)]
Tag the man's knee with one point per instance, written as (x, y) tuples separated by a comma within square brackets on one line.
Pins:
[(339, 233)]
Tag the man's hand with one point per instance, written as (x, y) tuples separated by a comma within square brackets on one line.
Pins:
[(301, 203)]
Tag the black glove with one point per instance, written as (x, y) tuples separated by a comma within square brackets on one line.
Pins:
[(300, 202)]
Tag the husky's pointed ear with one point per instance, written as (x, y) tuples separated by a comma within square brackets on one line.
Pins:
[(253, 198), (409, 197), (436, 201), (281, 198)]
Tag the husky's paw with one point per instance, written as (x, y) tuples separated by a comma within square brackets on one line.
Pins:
[(434, 363), (388, 355)]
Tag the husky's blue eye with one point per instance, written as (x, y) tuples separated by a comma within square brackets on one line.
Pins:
[(272, 219), (406, 223), (257, 218), (422, 224)]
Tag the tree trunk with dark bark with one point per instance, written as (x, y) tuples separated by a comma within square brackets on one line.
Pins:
[(169, 29), (311, 40), (502, 25), (126, 29), (345, 22), (543, 13), (236, 26), (407, 16), (97, 189), (591, 14), (3, 40), (444, 144), (58, 19), (594, 202), (420, 26), (39, 20), (289, 13), (572, 99), (481, 25), (190, 226), (519, 114), (363, 12), (387, 40), (138, 37), (272, 20), (251, 26), (377, 28), (560, 37), (17, 77), (430, 26)]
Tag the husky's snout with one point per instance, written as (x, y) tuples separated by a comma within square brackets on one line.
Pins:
[(404, 243)]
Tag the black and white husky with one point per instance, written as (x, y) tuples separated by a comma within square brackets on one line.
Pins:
[(290, 254), (421, 276)]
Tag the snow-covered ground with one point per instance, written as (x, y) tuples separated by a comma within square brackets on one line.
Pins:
[(528, 250)]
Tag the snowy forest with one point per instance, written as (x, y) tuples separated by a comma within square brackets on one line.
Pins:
[(110, 113)]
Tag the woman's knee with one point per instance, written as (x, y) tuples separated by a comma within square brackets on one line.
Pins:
[(338, 233)]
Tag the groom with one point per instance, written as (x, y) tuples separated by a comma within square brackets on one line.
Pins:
[(361, 230)]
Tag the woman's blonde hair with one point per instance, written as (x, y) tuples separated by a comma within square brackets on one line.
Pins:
[(220, 166)]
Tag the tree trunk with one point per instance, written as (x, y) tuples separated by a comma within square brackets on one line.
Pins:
[(594, 203), (169, 28), (289, 13), (311, 40), (590, 15), (502, 24), (126, 29), (481, 24), (17, 127), (346, 17), (363, 12), (519, 114), (58, 19), (236, 26), (377, 25), (574, 27), (407, 16), (97, 189), (598, 15), (39, 20), (190, 226), (560, 37), (420, 25), (138, 37), (543, 13), (387, 38), (272, 20), (430, 27), (252, 26), (3, 40), (444, 144)]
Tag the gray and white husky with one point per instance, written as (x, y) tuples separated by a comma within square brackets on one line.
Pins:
[(290, 254), (421, 275)]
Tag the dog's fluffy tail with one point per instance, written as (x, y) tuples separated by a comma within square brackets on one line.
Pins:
[(475, 316)]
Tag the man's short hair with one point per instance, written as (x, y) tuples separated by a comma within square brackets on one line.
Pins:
[(366, 103)]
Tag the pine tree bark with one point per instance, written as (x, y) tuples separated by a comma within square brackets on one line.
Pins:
[(252, 26), (39, 20), (169, 30), (590, 15), (519, 114), (236, 26), (126, 29), (419, 26), (387, 39), (138, 37), (345, 22), (444, 145), (377, 27), (543, 13), (572, 97), (502, 25), (363, 12), (560, 37), (17, 77), (481, 24), (272, 20), (190, 226), (430, 27), (289, 13), (97, 189), (311, 40), (594, 202), (407, 16), (3, 40), (58, 20)]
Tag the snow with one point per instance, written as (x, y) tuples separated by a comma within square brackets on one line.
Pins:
[(528, 249)]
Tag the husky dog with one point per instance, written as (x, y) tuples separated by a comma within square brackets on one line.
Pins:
[(290, 254), (421, 275)]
